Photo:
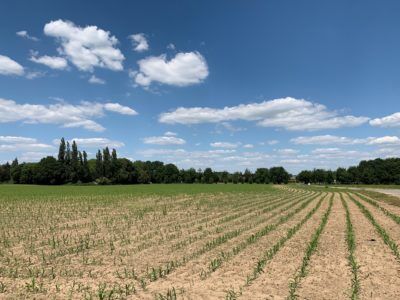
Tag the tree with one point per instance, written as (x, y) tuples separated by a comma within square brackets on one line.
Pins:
[(261, 175), (342, 176), (5, 172), (279, 175), (86, 176), (305, 177), (15, 171), (74, 173), (171, 173), (107, 163), (225, 177), (208, 176), (47, 171), (67, 163), (61, 151), (99, 165), (114, 165), (248, 176)]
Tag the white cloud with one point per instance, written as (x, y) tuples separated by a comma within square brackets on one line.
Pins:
[(170, 133), (171, 46), (86, 47), (288, 113), (224, 145), (324, 140), (392, 120), (17, 139), (94, 143), (35, 74), (95, 80), (139, 42), (248, 146), (272, 142), (182, 70), (10, 67), (341, 140), (64, 114), (118, 108), (228, 126), (34, 156), (384, 140), (54, 62), (24, 34), (326, 150), (19, 143), (287, 151), (164, 140)]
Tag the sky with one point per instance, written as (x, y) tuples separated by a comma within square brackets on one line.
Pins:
[(223, 84)]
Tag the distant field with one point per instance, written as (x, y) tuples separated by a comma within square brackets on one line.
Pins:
[(13, 190), (371, 186), (197, 242)]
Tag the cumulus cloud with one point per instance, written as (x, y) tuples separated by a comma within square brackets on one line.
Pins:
[(164, 140), (10, 67), (324, 140), (287, 113), (287, 151), (24, 34), (33, 156), (95, 143), (182, 70), (139, 42), (118, 108), (392, 120), (86, 47), (248, 146), (341, 140), (20, 143), (53, 62), (224, 145), (64, 114), (170, 133), (384, 140), (95, 80)]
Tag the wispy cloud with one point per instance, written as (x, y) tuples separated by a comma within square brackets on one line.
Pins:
[(287, 113)]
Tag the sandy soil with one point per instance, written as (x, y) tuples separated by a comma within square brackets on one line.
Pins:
[(390, 226), (232, 275), (329, 276), (188, 278), (274, 282), (379, 271)]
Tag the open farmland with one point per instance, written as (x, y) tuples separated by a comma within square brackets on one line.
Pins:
[(197, 242)]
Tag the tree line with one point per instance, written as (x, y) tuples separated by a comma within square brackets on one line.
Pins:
[(73, 166), (377, 171)]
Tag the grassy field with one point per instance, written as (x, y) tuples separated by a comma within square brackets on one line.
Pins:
[(197, 242)]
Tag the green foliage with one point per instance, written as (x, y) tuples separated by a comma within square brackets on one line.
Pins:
[(351, 245), (377, 171), (72, 166)]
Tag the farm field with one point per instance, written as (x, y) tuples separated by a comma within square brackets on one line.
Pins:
[(197, 242)]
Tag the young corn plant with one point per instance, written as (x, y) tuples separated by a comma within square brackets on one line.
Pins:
[(351, 245), (381, 231), (311, 248)]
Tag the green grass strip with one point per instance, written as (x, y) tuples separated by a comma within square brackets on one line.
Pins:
[(381, 231), (351, 245), (311, 248)]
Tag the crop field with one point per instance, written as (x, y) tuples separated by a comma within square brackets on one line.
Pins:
[(197, 242)]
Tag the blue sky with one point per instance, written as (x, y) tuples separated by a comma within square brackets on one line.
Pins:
[(227, 84)]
